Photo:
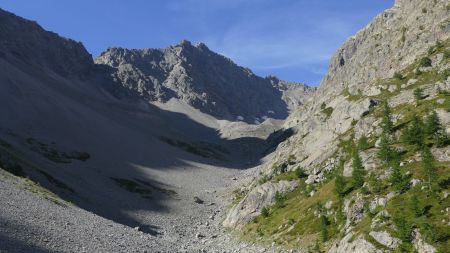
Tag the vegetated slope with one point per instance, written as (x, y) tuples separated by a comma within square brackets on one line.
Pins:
[(370, 155), (208, 81)]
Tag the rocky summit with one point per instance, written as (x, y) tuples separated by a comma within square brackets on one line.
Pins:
[(181, 150), (208, 81)]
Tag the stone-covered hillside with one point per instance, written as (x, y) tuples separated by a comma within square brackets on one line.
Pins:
[(368, 169)]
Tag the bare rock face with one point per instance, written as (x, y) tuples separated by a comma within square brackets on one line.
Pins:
[(359, 245), (385, 239), (25, 42), (206, 80), (392, 41), (261, 196)]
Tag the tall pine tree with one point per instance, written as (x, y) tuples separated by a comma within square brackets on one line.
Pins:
[(434, 129), (414, 133), (429, 168), (385, 151), (386, 123), (340, 186), (358, 170)]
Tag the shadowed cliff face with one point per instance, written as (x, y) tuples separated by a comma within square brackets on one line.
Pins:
[(206, 80), (26, 42)]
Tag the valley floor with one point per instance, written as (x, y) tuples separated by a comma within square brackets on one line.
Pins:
[(35, 220)]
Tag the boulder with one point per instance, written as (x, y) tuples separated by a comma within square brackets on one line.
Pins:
[(359, 244), (385, 239), (261, 196)]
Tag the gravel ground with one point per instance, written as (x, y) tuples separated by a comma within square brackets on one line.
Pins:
[(33, 222)]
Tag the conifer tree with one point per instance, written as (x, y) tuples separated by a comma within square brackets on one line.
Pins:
[(363, 143), (418, 94), (398, 181), (415, 206), (385, 151), (324, 228), (404, 229), (340, 186), (428, 166), (434, 129), (386, 122), (414, 134), (374, 183), (432, 124), (358, 170)]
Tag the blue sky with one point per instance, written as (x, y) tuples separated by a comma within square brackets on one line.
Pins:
[(292, 39)]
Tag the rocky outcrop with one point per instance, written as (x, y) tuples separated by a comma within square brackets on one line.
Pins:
[(385, 239), (259, 197), (25, 42), (392, 41), (206, 80), (420, 245), (359, 244)]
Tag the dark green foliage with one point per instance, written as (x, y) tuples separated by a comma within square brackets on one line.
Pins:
[(340, 186), (358, 170), (340, 216), (328, 111), (447, 54), (418, 94), (386, 122), (432, 124), (385, 151), (398, 180), (324, 234), (300, 173), (363, 143), (263, 179), (434, 129), (280, 199), (415, 206), (398, 76), (265, 212), (413, 134), (404, 228), (425, 62), (374, 184), (429, 168)]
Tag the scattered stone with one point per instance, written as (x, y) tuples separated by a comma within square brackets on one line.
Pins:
[(198, 200)]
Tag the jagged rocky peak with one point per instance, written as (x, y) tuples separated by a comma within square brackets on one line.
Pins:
[(206, 80), (25, 42)]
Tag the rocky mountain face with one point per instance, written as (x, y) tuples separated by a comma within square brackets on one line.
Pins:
[(206, 80), (25, 42), (83, 169), (395, 62)]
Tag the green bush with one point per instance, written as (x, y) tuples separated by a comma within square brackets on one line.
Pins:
[(397, 75), (265, 212), (300, 173), (404, 228), (418, 94), (363, 143), (280, 199), (425, 62)]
